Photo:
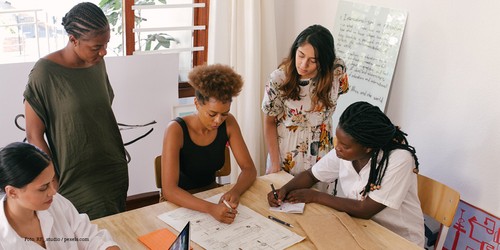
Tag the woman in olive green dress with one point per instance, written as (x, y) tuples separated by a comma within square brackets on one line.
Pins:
[(68, 101)]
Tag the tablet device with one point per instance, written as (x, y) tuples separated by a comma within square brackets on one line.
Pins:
[(182, 240)]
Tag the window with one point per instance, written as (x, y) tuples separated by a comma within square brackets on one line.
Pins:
[(28, 32), (184, 31), (30, 29)]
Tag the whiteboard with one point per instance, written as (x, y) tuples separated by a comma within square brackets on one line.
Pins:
[(146, 89), (368, 38)]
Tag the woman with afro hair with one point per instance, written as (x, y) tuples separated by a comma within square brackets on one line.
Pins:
[(194, 145)]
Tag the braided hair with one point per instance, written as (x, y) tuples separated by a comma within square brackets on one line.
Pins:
[(370, 127), (84, 18)]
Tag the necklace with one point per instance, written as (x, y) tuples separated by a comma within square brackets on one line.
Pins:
[(304, 82)]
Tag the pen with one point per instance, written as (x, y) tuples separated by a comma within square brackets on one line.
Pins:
[(279, 221), (274, 192), (227, 205)]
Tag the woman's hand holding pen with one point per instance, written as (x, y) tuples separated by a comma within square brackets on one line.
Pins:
[(271, 199), (232, 197), (224, 212)]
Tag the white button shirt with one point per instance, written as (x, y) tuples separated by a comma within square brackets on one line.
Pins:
[(398, 191), (62, 228)]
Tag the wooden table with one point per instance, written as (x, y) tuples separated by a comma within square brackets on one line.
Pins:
[(128, 226)]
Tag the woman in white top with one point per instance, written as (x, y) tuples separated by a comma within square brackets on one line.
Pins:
[(376, 170), (32, 214)]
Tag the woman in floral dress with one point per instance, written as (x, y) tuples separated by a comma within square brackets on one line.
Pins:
[(299, 102)]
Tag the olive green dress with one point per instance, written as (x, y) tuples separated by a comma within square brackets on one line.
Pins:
[(82, 133)]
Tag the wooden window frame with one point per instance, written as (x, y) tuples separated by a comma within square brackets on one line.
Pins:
[(200, 38)]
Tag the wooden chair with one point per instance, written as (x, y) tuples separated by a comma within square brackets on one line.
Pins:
[(224, 171), (439, 202)]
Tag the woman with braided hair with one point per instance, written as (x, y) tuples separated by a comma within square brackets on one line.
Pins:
[(68, 100), (376, 169)]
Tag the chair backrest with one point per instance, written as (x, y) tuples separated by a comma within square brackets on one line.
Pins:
[(437, 200), (224, 171), (158, 171)]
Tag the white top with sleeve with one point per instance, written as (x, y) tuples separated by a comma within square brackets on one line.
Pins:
[(62, 227), (398, 191)]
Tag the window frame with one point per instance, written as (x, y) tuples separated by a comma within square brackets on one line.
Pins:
[(200, 38)]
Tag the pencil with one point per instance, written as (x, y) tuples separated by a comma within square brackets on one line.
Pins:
[(227, 205)]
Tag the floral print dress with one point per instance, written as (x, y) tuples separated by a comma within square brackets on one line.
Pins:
[(305, 133)]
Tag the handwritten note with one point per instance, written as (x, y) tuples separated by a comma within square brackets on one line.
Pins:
[(368, 38), (292, 208)]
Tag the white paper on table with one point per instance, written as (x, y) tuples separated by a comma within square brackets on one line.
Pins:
[(287, 207), (250, 230)]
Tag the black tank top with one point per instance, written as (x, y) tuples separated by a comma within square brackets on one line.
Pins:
[(198, 164)]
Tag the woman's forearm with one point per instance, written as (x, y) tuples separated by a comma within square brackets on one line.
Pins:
[(304, 179), (245, 180), (271, 140), (183, 198)]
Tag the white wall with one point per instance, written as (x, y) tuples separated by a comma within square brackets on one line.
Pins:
[(145, 89), (445, 89)]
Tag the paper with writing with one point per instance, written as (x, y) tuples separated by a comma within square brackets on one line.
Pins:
[(368, 38), (250, 230), (292, 208)]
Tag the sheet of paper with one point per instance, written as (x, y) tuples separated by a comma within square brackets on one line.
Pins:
[(250, 230), (286, 207)]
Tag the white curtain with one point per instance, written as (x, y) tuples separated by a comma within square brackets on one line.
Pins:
[(242, 35)]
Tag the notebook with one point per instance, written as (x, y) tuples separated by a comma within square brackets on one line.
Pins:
[(292, 208)]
